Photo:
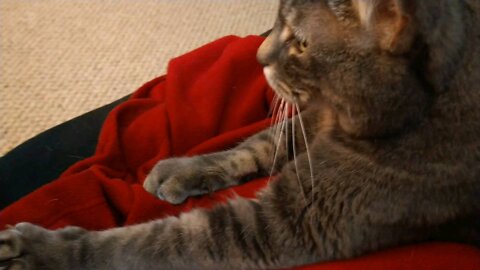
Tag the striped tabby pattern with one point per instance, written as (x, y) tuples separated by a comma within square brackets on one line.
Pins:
[(383, 150)]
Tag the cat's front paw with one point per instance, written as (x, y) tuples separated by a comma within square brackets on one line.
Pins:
[(11, 249), (27, 246), (19, 246), (176, 179)]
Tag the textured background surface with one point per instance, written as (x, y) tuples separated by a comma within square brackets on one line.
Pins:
[(62, 58)]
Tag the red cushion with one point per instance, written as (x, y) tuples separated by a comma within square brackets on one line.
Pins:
[(211, 98)]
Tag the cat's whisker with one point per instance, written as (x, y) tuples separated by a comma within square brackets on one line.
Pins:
[(300, 185), (277, 101), (281, 111), (274, 103), (278, 116), (275, 125), (278, 120), (280, 135), (307, 148), (274, 109), (287, 131)]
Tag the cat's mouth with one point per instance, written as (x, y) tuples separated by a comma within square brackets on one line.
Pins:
[(282, 89)]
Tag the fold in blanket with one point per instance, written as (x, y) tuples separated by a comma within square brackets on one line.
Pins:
[(210, 99)]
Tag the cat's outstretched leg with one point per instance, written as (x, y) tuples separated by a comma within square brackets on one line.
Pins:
[(238, 235)]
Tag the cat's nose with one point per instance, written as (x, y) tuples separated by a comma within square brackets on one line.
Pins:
[(265, 53), (261, 57)]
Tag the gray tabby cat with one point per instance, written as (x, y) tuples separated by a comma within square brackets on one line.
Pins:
[(384, 151)]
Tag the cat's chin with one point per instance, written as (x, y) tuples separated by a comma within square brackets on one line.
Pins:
[(270, 76)]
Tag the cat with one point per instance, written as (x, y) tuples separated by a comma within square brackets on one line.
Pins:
[(383, 150)]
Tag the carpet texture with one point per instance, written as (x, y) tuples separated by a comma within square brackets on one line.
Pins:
[(62, 58)]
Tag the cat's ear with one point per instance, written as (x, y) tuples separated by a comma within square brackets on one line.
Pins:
[(390, 20)]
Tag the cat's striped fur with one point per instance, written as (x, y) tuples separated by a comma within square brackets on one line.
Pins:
[(385, 150)]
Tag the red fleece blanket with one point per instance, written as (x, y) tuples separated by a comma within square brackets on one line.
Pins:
[(211, 99)]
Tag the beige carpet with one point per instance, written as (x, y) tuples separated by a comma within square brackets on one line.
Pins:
[(62, 58)]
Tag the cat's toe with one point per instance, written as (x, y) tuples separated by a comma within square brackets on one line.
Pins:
[(162, 171), (174, 180), (172, 192), (151, 183), (168, 192)]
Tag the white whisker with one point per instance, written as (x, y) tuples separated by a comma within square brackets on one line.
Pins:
[(274, 109), (280, 118), (287, 130), (307, 148), (300, 185), (280, 110), (276, 118), (274, 103), (280, 135)]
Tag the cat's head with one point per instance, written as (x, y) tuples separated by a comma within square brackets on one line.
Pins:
[(365, 58), (315, 42)]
